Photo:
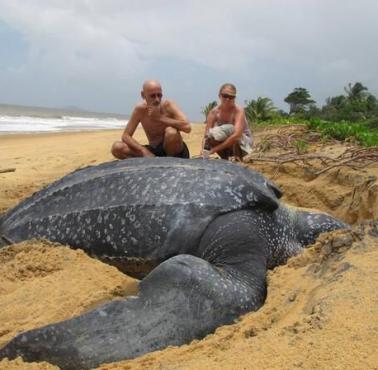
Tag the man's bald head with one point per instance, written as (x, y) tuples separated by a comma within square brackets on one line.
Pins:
[(152, 92), (151, 84)]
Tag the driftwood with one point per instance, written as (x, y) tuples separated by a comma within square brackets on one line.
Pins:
[(296, 138), (288, 137), (355, 157), (4, 170)]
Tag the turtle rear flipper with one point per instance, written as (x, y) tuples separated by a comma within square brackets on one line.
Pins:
[(184, 298)]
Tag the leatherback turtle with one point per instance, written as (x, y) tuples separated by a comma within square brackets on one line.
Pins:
[(213, 228)]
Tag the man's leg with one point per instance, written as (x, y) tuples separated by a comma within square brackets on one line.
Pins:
[(121, 150), (173, 143)]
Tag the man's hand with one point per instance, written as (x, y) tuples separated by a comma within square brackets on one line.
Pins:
[(153, 111), (147, 153)]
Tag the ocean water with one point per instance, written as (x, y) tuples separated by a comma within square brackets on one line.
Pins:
[(18, 119), (10, 124)]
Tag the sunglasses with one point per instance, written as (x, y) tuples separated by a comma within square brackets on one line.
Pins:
[(157, 95), (226, 96)]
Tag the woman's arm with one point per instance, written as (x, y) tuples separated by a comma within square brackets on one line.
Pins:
[(210, 121)]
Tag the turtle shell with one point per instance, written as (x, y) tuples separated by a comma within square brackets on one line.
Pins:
[(144, 207)]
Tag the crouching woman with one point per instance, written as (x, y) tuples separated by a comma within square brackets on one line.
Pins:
[(227, 132)]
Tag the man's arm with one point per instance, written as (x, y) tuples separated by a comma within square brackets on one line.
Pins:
[(232, 139), (129, 132), (177, 118)]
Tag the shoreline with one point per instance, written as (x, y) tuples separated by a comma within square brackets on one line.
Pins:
[(28, 134), (73, 130)]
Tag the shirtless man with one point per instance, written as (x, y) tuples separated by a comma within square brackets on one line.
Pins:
[(162, 122)]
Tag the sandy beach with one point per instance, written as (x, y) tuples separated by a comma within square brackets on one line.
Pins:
[(39, 159), (321, 311)]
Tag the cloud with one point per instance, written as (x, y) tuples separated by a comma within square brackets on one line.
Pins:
[(88, 47)]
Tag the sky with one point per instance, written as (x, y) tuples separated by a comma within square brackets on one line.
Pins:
[(95, 54)]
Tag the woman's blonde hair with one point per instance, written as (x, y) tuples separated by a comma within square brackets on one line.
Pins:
[(231, 86)]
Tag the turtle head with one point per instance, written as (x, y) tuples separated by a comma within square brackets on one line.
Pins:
[(310, 224)]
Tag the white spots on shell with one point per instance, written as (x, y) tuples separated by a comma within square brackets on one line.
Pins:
[(164, 186), (102, 313)]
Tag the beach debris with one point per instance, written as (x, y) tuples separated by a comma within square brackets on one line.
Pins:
[(5, 170)]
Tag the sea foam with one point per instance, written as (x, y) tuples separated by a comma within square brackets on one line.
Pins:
[(27, 124)]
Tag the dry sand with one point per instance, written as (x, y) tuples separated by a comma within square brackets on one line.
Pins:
[(321, 310)]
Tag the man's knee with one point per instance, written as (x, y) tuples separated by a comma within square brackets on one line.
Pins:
[(173, 143), (171, 133), (172, 139), (118, 149)]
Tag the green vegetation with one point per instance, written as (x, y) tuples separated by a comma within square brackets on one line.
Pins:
[(299, 100), (205, 110), (261, 109), (359, 132), (352, 116), (300, 146)]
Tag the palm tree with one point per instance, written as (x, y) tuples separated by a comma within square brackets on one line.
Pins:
[(299, 99), (259, 109), (205, 110), (356, 91)]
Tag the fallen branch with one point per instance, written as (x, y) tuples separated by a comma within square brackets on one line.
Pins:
[(366, 161), (355, 158), (7, 170)]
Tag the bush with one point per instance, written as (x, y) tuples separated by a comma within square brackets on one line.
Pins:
[(346, 130), (372, 123)]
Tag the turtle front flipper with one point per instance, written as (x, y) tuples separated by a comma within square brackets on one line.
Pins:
[(310, 224), (182, 299)]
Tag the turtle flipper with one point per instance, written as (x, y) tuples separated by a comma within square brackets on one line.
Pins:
[(310, 224), (182, 299)]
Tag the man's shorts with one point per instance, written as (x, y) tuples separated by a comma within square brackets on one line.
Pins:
[(160, 152), (221, 133)]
